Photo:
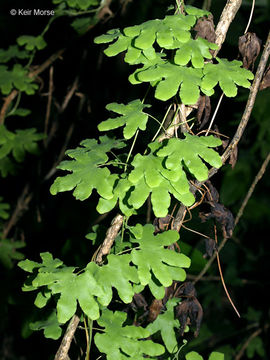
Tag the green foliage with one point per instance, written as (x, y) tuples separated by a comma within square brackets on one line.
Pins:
[(81, 25), (173, 32), (4, 209), (152, 258), (87, 173), (8, 252), (228, 74), (166, 323), (193, 355), (7, 167), (170, 78), (50, 325), (121, 193), (169, 33), (154, 173), (18, 143), (132, 117), (175, 64), (16, 78), (19, 112), (13, 52), (180, 150), (78, 4), (123, 342), (194, 50), (118, 274), (62, 280), (255, 346), (151, 176), (32, 42), (93, 285)]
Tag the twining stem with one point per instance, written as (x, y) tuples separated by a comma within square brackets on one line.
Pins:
[(90, 335), (110, 237), (162, 124), (131, 149), (87, 339), (251, 189), (66, 341), (222, 278), (251, 100), (250, 16), (214, 115)]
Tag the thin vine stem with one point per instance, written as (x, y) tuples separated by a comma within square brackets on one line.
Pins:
[(131, 149), (162, 123), (214, 115), (250, 16), (252, 188)]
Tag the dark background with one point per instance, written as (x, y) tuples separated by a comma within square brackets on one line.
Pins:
[(59, 223)]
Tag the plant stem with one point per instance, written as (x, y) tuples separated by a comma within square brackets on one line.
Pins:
[(130, 151), (250, 191), (90, 333), (62, 352)]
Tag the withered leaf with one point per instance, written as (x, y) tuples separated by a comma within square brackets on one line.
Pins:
[(213, 194), (249, 47), (233, 157), (205, 28), (204, 108), (218, 211), (186, 290), (189, 311), (154, 310), (162, 224), (223, 216), (139, 301), (265, 83), (210, 247)]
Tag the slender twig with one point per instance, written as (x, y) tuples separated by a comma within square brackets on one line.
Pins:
[(46, 63), (162, 123), (215, 113), (49, 104), (62, 353), (251, 100), (61, 154), (250, 16), (225, 287), (225, 20), (131, 149), (21, 206), (69, 95), (6, 104), (31, 74), (179, 218), (246, 343), (251, 189), (249, 106), (110, 237)]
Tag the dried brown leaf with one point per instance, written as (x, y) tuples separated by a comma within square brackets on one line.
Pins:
[(249, 47), (189, 311), (154, 309), (204, 110), (162, 224), (205, 28), (233, 157), (265, 83), (210, 247), (212, 195)]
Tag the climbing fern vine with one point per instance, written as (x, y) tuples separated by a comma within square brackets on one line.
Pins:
[(137, 259)]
